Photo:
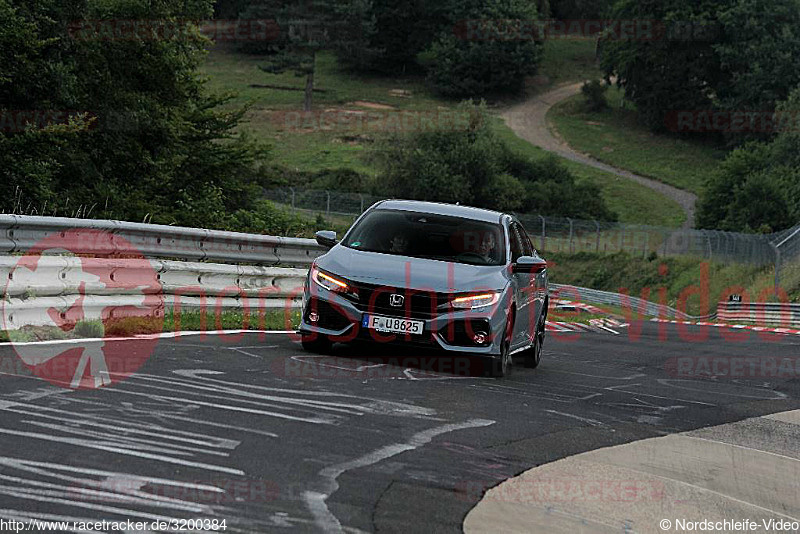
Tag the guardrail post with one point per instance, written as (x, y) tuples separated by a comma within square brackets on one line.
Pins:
[(597, 245), (544, 235), (570, 235), (328, 205), (777, 269)]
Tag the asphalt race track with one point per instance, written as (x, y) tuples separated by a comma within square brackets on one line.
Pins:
[(255, 431)]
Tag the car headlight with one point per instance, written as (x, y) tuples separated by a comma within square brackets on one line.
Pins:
[(475, 301), (332, 283)]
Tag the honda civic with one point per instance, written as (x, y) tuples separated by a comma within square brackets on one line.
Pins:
[(457, 278)]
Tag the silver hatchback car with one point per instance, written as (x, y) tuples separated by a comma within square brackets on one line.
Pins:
[(462, 279)]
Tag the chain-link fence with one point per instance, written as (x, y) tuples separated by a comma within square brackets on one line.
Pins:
[(561, 234)]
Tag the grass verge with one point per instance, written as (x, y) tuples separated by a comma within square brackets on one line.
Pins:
[(633, 203), (183, 322), (690, 285), (614, 136)]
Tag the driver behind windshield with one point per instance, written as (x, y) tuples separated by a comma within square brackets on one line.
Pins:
[(487, 247)]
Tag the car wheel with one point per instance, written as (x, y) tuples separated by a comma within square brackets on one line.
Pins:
[(316, 343), (533, 356), (501, 366)]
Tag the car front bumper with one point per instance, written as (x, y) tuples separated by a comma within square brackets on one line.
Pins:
[(449, 330)]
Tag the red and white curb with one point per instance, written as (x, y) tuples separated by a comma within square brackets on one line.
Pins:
[(567, 304), (788, 331)]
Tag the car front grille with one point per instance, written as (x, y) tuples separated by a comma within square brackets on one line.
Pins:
[(417, 304)]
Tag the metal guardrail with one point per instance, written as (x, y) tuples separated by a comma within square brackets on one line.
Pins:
[(775, 313), (190, 283), (37, 297), (636, 305), (20, 233)]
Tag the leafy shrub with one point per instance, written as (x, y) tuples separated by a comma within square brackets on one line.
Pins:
[(595, 94), (757, 187), (474, 167), (89, 329), (481, 61), (461, 68)]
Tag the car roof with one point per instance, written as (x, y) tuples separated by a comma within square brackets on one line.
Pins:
[(438, 208)]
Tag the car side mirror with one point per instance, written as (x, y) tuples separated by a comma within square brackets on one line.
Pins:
[(528, 264), (326, 238)]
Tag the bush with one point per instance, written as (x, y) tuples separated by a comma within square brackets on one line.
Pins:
[(89, 329), (461, 68), (506, 193), (464, 65), (595, 94), (474, 167), (757, 187), (715, 54)]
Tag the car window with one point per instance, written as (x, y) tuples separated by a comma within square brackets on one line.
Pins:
[(516, 244), (527, 248), (425, 235)]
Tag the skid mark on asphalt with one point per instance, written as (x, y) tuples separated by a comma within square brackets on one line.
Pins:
[(152, 420), (316, 500), (601, 326)]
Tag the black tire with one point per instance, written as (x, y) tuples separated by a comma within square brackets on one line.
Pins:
[(316, 343), (501, 366), (533, 355)]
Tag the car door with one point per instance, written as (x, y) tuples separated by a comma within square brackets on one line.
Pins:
[(538, 282), (522, 281)]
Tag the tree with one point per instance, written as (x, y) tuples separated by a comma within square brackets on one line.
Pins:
[(306, 28), (759, 55), (757, 187), (712, 54), (475, 63), (152, 141), (664, 74), (473, 166), (580, 9)]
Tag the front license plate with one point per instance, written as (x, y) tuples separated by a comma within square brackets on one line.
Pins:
[(394, 325)]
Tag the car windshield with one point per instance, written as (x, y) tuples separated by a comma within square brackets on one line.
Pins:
[(423, 235)]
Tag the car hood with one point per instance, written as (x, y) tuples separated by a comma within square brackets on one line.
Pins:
[(423, 274)]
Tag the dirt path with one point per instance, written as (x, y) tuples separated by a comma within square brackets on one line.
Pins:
[(529, 121)]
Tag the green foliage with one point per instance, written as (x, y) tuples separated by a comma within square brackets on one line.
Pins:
[(579, 9), (714, 54), (307, 28), (475, 167), (89, 329), (397, 31), (664, 74), (595, 94), (468, 66), (758, 54), (507, 193), (551, 189), (153, 143), (640, 276), (757, 188)]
